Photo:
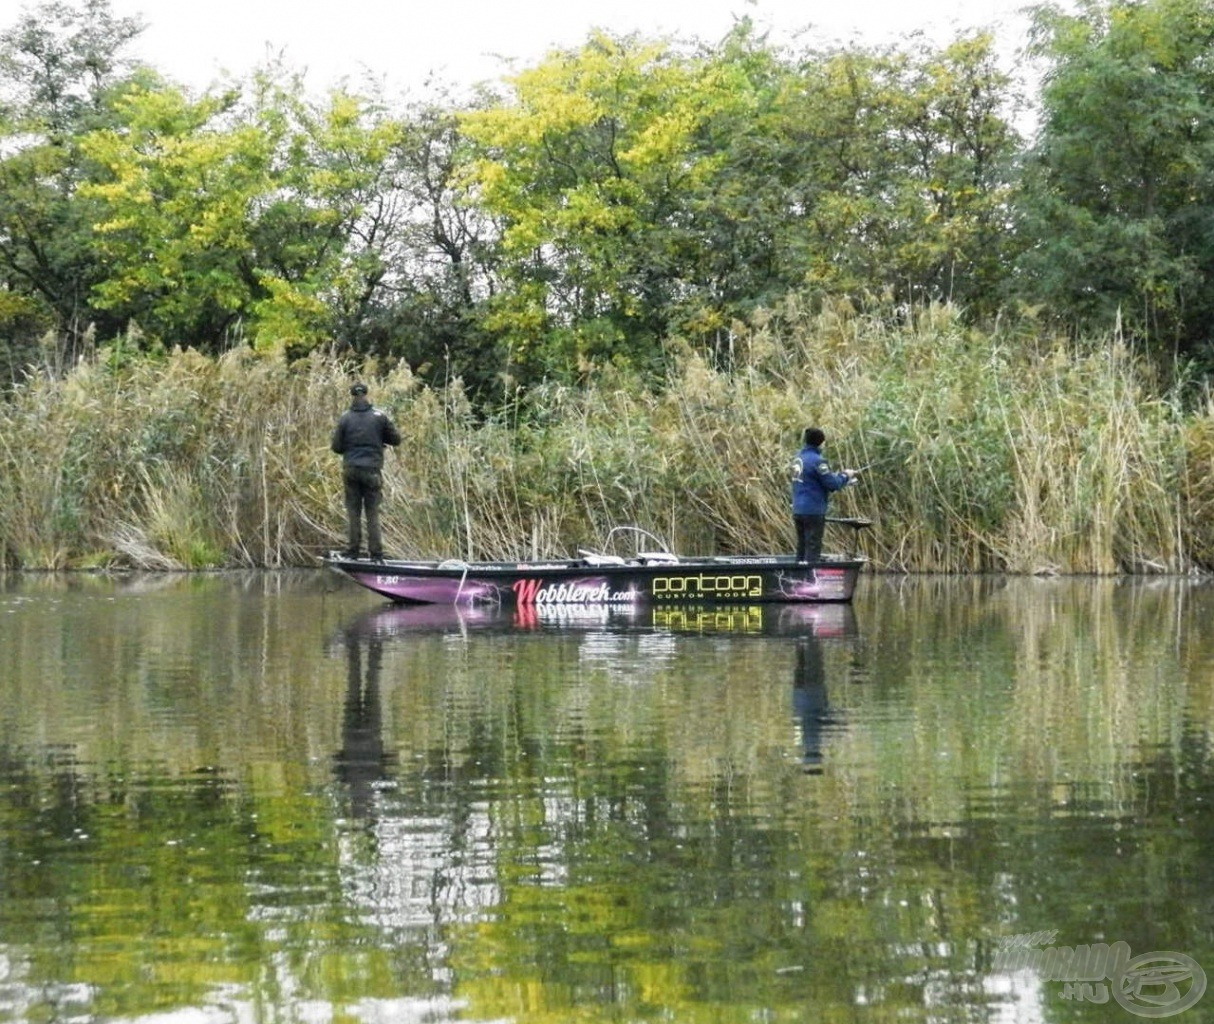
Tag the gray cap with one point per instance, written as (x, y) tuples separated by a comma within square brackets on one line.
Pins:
[(358, 389)]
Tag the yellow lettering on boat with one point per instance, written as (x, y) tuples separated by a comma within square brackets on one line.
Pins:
[(748, 619), (708, 586)]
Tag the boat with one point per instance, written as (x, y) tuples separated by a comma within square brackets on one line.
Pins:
[(593, 578)]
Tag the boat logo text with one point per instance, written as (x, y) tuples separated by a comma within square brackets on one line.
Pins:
[(707, 585), (585, 591)]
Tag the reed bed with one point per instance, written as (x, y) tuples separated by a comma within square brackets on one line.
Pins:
[(1002, 451)]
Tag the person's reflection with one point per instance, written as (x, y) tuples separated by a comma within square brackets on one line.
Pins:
[(361, 762), (810, 701)]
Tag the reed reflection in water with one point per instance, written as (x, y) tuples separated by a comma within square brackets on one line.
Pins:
[(260, 797)]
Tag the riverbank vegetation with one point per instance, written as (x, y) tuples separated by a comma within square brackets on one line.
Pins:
[(612, 288), (1011, 452)]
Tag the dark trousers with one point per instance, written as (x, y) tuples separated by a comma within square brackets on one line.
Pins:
[(364, 489), (809, 537)]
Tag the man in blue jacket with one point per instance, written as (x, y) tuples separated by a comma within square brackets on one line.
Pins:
[(812, 482), (359, 439)]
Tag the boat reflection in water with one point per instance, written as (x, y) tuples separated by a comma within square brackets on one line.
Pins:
[(807, 621), (362, 763)]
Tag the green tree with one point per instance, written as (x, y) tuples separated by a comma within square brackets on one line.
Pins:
[(1118, 208), (592, 172), (60, 66), (437, 259), (896, 168), (642, 192), (58, 61), (254, 213)]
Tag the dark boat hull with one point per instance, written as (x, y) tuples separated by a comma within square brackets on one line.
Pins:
[(748, 580)]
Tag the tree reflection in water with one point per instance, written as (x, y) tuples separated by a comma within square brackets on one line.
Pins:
[(233, 800)]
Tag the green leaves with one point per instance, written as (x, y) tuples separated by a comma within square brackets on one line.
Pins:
[(60, 59), (251, 213), (59, 68), (614, 201), (240, 212), (644, 192), (588, 171), (899, 162), (1118, 192), (170, 203)]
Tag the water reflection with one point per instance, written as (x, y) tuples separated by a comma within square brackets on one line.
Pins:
[(250, 801), (808, 626), (362, 762), (824, 621), (811, 702)]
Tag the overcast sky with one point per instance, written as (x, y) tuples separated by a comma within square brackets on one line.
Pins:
[(464, 41)]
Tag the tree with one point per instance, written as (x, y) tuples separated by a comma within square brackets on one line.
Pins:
[(58, 62), (1118, 207), (252, 213), (896, 166), (593, 172), (642, 192), (59, 67), (436, 254)]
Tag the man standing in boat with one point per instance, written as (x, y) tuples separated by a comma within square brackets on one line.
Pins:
[(359, 438), (812, 483)]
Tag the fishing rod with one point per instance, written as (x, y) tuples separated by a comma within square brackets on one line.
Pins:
[(869, 465)]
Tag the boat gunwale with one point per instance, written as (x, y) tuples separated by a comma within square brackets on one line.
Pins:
[(455, 567)]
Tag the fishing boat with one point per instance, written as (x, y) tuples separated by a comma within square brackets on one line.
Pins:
[(593, 578)]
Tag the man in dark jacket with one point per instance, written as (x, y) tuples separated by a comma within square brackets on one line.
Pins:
[(359, 439), (812, 482)]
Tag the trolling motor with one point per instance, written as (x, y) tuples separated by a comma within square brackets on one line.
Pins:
[(856, 525)]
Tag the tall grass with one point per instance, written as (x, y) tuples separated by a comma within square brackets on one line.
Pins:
[(1007, 451)]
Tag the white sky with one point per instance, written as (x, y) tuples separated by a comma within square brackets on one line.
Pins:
[(461, 42)]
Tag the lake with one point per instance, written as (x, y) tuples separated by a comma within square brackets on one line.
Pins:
[(270, 797)]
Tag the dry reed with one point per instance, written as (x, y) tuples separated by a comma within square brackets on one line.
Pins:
[(1009, 452)]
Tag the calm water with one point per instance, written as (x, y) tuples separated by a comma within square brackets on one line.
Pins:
[(270, 797)]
